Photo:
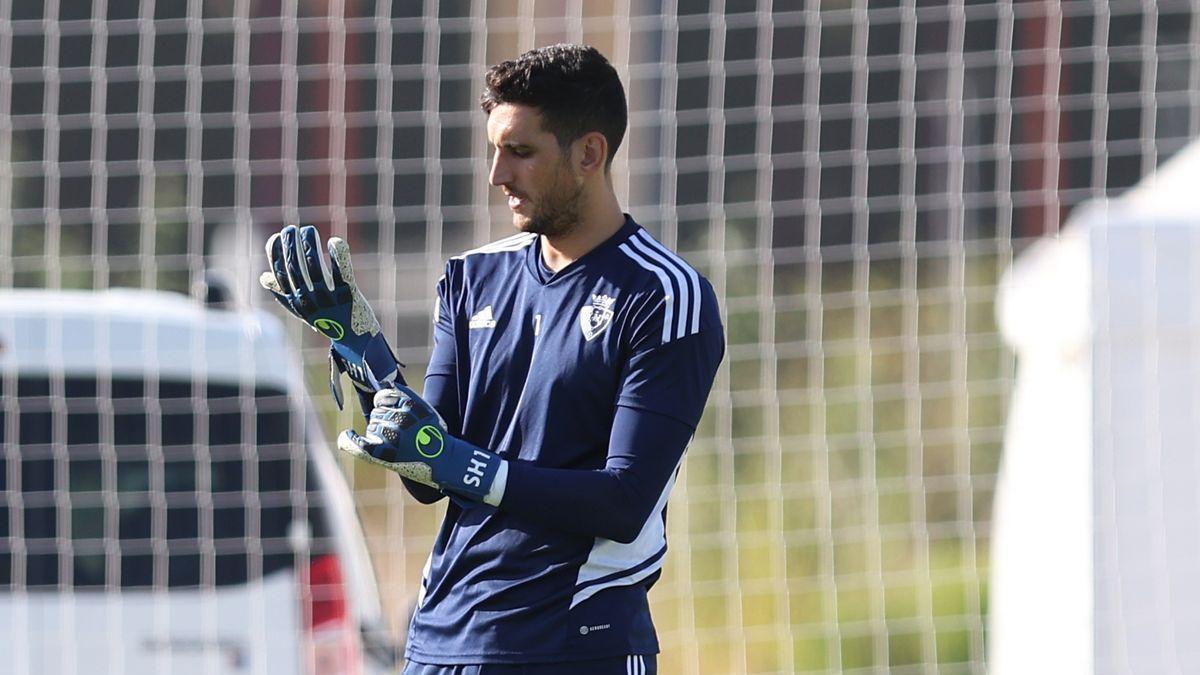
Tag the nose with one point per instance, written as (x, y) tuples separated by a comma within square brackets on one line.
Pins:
[(499, 175)]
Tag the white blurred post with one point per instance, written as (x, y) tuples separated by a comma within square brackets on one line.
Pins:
[(1096, 548)]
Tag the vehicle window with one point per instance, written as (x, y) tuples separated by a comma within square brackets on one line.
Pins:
[(141, 483)]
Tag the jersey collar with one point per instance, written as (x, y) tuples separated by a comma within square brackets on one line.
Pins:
[(536, 268)]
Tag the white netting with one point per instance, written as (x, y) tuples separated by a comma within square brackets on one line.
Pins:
[(853, 177)]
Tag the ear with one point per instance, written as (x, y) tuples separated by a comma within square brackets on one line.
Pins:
[(591, 153)]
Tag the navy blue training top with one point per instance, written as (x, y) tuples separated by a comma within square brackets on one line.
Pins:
[(590, 381)]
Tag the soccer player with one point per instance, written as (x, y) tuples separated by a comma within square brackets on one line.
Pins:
[(570, 367)]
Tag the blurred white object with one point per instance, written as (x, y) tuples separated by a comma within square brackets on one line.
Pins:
[(1096, 542), (303, 601)]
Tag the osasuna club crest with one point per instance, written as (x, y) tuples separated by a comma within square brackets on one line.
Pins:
[(595, 318)]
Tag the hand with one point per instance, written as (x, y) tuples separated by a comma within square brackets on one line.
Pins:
[(406, 435), (329, 301)]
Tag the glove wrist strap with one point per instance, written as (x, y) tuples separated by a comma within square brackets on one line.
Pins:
[(374, 369), (473, 472)]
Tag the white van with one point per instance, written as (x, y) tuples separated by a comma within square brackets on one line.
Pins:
[(168, 503)]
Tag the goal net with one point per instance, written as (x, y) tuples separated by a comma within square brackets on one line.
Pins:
[(854, 178)]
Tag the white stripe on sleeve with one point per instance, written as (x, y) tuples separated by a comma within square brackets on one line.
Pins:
[(693, 277), (669, 319), (685, 294)]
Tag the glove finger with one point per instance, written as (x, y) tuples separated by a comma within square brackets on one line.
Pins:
[(315, 270), (418, 408), (387, 398), (293, 260), (379, 442), (381, 417), (367, 444), (356, 446), (350, 443), (283, 300), (268, 281), (275, 262), (339, 254)]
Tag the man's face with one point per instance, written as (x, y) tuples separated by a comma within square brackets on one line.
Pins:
[(543, 192)]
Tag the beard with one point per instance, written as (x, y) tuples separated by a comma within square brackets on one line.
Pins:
[(557, 212)]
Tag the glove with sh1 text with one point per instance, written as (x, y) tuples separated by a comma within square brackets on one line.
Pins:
[(326, 298), (406, 435)]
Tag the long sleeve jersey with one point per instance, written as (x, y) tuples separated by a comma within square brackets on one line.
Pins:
[(590, 381)]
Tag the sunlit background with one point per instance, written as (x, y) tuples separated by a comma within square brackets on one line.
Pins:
[(854, 178)]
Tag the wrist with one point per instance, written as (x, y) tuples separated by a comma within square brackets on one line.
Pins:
[(472, 472), (367, 360), (496, 493)]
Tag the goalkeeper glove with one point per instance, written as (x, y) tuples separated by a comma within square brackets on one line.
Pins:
[(328, 300), (406, 435)]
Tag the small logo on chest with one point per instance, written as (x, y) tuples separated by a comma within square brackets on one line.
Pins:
[(595, 318), (482, 319)]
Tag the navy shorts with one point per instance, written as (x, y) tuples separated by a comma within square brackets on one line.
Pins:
[(637, 664)]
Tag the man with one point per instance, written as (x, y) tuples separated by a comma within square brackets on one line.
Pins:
[(570, 367)]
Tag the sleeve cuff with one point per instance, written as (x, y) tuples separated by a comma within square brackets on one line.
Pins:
[(496, 492)]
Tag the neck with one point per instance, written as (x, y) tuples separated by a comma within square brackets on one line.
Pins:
[(600, 220)]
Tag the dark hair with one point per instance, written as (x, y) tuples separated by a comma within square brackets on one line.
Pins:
[(574, 88)]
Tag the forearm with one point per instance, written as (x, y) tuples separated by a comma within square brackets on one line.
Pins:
[(599, 503), (614, 502)]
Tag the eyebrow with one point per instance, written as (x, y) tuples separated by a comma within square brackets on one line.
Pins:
[(521, 149)]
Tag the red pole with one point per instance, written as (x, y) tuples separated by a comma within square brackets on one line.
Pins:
[(1041, 126)]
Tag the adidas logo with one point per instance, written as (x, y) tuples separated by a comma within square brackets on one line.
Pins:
[(483, 319)]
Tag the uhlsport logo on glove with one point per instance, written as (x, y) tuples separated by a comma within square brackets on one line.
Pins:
[(330, 328), (429, 441)]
